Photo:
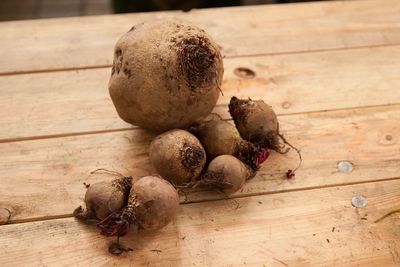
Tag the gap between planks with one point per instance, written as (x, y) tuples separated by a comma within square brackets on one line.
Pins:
[(133, 128), (12, 73), (246, 195)]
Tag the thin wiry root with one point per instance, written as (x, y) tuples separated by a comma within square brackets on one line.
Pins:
[(216, 82), (117, 249), (214, 180), (103, 170), (181, 188), (291, 172), (387, 215), (282, 149), (114, 225), (189, 185), (182, 192)]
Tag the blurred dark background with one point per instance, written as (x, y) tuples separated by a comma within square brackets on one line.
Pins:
[(35, 9)]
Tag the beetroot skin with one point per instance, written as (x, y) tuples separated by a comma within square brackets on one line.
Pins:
[(104, 198), (257, 122), (227, 174), (178, 156), (153, 202), (220, 137)]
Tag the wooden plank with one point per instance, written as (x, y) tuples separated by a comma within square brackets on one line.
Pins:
[(290, 83), (89, 41), (44, 178), (306, 228)]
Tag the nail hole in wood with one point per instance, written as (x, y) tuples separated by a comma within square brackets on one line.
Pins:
[(244, 72), (286, 105), (5, 216)]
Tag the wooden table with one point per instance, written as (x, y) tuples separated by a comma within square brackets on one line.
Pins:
[(331, 70)]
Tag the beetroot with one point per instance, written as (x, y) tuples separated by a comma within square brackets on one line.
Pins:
[(166, 74), (220, 137), (178, 156), (227, 174), (103, 198), (152, 203), (257, 122)]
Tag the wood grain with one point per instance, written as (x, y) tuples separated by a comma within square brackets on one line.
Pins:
[(31, 46), (44, 178), (308, 228), (73, 102)]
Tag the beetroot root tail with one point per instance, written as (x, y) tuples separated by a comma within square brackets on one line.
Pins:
[(114, 225)]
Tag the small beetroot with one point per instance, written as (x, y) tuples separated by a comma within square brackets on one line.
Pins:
[(227, 174), (257, 122), (153, 202), (220, 137), (104, 198), (178, 156)]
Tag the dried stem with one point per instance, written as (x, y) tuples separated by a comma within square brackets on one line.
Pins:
[(387, 215), (117, 249), (103, 170), (295, 148)]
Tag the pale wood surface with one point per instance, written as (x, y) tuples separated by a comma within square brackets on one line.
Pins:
[(307, 228), (290, 83), (44, 178), (89, 41), (330, 70)]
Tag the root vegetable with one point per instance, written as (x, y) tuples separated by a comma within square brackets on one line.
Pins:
[(153, 202), (227, 174), (220, 137), (104, 198), (178, 156), (257, 122), (166, 74)]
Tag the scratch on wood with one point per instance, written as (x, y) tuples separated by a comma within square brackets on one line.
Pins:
[(282, 262)]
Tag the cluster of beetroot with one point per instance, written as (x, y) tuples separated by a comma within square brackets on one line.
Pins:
[(167, 74), (149, 203), (213, 153)]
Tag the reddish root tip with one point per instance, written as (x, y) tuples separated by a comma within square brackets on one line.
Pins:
[(262, 156), (290, 174), (114, 225)]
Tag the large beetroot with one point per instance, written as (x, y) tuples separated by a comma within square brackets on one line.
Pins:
[(166, 74)]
